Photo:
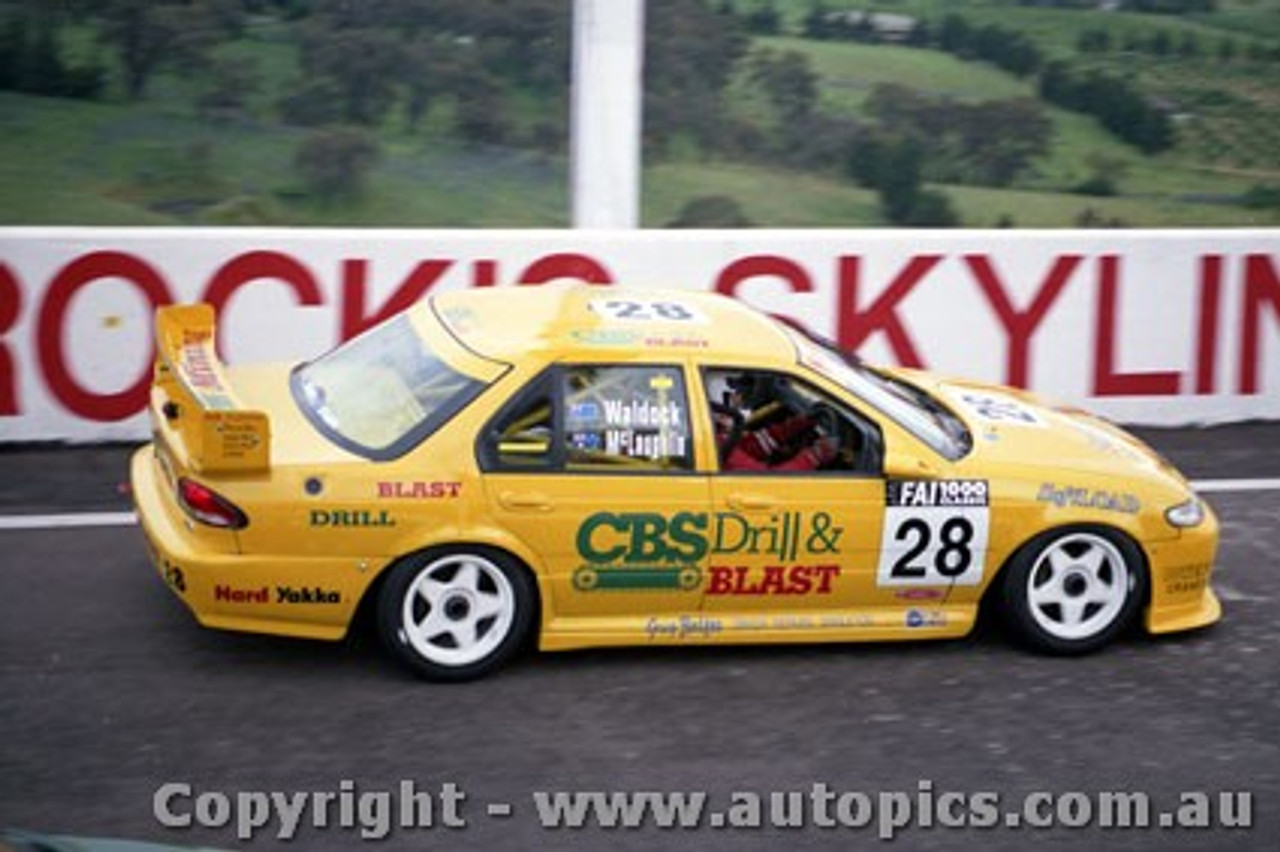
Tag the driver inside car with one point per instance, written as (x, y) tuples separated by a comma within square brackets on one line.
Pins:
[(792, 444)]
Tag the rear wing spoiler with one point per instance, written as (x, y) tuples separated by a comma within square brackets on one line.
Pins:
[(192, 402)]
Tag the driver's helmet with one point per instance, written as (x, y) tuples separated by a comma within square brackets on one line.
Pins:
[(732, 390), (754, 390), (720, 388)]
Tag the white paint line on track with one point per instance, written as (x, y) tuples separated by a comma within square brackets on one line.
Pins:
[(79, 519), (1208, 485), (125, 519)]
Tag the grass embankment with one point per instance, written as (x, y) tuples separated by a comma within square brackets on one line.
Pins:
[(158, 161)]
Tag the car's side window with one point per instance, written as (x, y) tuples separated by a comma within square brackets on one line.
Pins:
[(522, 436), (626, 417), (768, 422)]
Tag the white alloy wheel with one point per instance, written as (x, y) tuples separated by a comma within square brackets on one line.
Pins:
[(457, 614), (1078, 586), (1072, 590), (458, 609)]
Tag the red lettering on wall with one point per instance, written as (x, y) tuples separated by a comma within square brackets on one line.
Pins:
[(1207, 330), (1234, 330), (10, 308), (484, 273), (565, 265), (1106, 380), (51, 325), (1021, 325), (765, 266), (854, 326), (252, 266), (1261, 284), (415, 285)]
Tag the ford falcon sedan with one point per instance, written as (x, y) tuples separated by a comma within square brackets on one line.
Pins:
[(570, 466)]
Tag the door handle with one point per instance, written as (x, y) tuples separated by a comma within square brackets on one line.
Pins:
[(525, 501), (751, 503)]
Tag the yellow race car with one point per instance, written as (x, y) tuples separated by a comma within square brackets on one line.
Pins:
[(587, 466)]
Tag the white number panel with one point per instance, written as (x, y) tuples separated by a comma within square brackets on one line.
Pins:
[(935, 533)]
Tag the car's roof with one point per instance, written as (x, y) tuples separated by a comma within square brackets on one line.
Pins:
[(574, 320)]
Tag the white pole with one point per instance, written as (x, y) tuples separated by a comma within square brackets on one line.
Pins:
[(604, 137)]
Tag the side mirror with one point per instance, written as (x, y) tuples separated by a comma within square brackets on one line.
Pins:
[(900, 465)]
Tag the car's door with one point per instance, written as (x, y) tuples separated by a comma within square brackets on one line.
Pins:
[(797, 543), (592, 467)]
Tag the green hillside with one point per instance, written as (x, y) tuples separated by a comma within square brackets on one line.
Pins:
[(170, 157)]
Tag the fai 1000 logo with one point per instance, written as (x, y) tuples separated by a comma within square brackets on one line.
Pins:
[(647, 550)]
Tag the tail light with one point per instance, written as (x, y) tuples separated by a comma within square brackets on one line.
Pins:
[(208, 506)]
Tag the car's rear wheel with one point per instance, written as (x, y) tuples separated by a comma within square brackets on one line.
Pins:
[(456, 614), (1071, 591)]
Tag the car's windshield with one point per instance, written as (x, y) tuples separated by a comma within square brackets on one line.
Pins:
[(909, 406), (382, 392)]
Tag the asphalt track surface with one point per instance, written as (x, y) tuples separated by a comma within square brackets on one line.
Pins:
[(109, 690)]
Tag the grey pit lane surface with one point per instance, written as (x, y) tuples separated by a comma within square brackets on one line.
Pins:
[(108, 690)]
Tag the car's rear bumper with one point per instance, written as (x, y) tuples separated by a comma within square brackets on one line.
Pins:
[(306, 597)]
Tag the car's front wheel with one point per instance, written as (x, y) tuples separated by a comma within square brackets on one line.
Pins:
[(456, 614), (1072, 591)]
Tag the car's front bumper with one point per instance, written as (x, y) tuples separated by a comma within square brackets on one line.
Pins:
[(1181, 567)]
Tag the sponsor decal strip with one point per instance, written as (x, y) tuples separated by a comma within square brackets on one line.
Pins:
[(647, 550), (1083, 498), (690, 626), (283, 594)]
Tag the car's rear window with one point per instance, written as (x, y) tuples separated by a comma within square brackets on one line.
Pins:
[(383, 392)]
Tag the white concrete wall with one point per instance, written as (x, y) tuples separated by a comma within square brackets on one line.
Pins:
[(1152, 327)]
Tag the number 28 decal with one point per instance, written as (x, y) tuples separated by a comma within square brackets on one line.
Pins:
[(935, 533), (636, 310)]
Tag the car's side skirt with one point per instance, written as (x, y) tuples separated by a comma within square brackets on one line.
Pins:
[(705, 628)]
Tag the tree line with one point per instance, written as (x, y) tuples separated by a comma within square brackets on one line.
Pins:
[(1115, 102), (32, 62), (1164, 44), (362, 62), (362, 65)]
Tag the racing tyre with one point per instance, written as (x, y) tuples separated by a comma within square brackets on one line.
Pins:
[(1073, 590), (456, 614)]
